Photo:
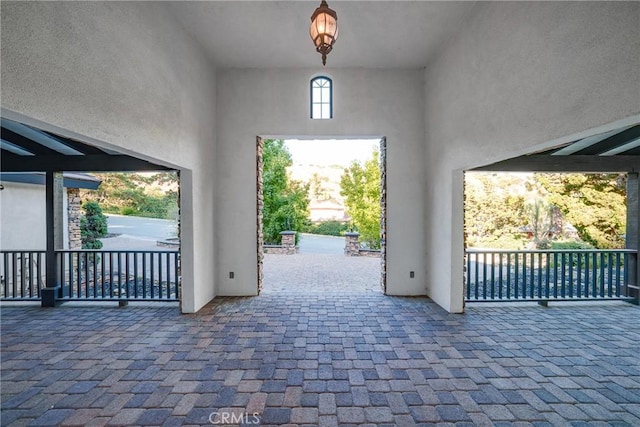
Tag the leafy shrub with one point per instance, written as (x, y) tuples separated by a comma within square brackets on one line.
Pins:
[(128, 210), (93, 226), (329, 228), (571, 244)]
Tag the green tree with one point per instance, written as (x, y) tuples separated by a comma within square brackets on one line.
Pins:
[(154, 195), (93, 226), (360, 186), (286, 201), (594, 203), (494, 215)]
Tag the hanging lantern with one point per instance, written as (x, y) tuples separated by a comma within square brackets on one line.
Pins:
[(324, 29)]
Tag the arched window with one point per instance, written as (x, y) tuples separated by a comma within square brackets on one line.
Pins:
[(321, 98)]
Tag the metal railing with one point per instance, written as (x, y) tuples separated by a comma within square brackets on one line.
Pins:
[(22, 274), (546, 275), (93, 275), (119, 275)]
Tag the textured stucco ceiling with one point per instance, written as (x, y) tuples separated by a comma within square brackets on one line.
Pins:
[(272, 34)]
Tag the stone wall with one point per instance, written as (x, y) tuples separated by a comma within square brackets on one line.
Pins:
[(287, 247), (74, 212)]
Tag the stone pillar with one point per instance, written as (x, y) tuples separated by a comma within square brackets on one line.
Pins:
[(74, 212), (351, 244), (633, 235), (259, 212), (288, 242)]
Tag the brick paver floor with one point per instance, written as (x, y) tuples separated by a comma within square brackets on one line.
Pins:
[(321, 358), (321, 273)]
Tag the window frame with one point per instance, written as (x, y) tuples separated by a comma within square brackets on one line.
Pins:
[(311, 99)]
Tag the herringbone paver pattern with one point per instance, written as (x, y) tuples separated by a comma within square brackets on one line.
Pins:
[(322, 359)]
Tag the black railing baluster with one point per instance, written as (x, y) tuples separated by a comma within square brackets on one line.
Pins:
[(120, 290), (87, 287), (15, 276), (176, 263), (516, 270), (524, 275), (539, 274), (477, 269), (160, 275), (609, 275), (39, 273), (111, 274), (168, 263), (135, 275), (493, 276), (571, 275), (587, 281), (602, 267), (508, 275), (579, 275), (102, 278), (151, 271), (94, 262), (564, 275), (532, 280), (548, 282), (500, 275), (144, 273), (594, 273), (618, 274)]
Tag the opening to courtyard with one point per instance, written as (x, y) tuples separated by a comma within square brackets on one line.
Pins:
[(321, 215)]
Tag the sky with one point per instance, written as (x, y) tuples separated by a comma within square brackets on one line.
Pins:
[(331, 152)]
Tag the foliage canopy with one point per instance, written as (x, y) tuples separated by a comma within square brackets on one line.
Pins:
[(360, 186), (286, 201), (154, 196)]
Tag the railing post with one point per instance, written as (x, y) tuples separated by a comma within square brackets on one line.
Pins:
[(633, 235), (53, 185)]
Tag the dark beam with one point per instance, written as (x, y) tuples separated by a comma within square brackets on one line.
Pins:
[(88, 163), (78, 146), (573, 163), (26, 143), (611, 142)]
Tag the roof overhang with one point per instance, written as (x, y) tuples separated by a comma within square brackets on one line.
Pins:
[(27, 149), (613, 151), (69, 180)]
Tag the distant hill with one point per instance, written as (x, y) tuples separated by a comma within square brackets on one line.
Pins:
[(325, 201)]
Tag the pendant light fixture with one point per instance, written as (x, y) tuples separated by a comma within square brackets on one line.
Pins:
[(324, 29)]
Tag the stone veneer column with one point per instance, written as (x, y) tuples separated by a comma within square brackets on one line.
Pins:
[(288, 242), (259, 208), (383, 215), (74, 212), (351, 244)]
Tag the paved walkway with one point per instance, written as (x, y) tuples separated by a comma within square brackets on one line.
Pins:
[(322, 359), (320, 273)]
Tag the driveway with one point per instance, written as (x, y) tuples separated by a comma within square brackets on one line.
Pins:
[(316, 244), (149, 228), (137, 233)]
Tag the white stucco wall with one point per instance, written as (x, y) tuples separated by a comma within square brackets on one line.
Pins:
[(368, 103), (122, 75), (518, 77), (22, 224)]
